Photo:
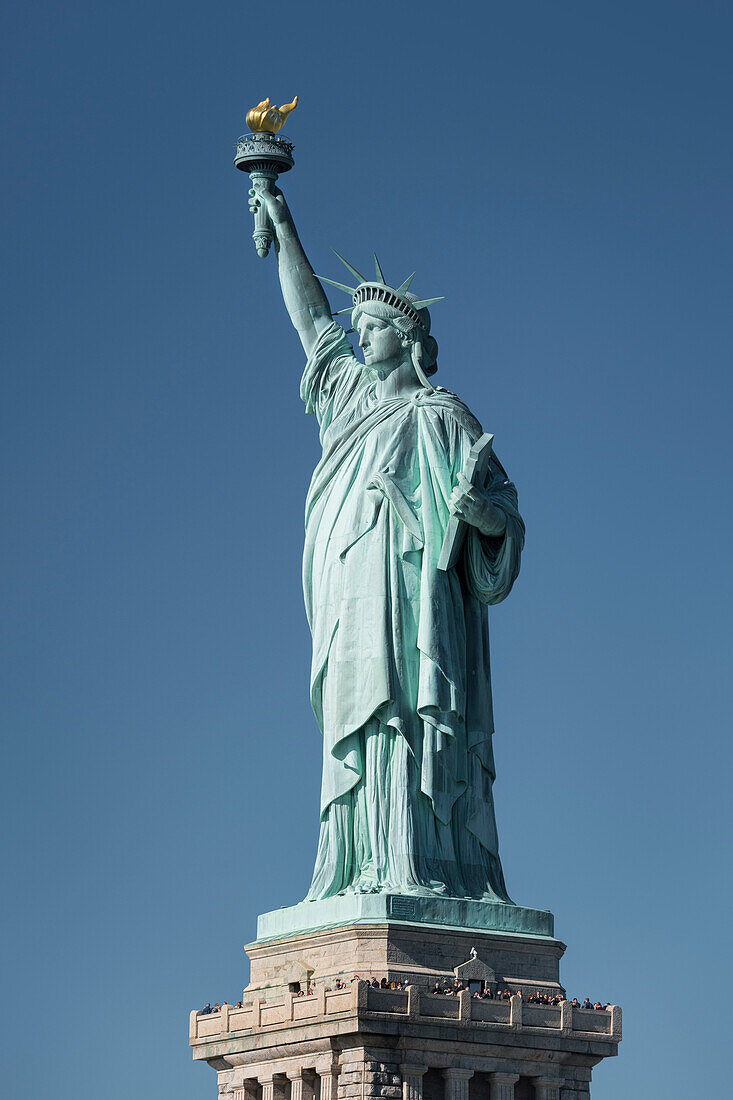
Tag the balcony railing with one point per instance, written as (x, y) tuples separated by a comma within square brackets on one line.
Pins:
[(360, 998)]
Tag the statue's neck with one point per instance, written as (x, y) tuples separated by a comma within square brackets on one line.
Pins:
[(401, 382)]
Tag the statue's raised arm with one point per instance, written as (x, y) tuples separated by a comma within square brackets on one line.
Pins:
[(304, 297)]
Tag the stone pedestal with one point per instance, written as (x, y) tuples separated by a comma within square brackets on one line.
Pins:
[(299, 1038), (401, 950)]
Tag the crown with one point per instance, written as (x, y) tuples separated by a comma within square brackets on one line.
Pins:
[(378, 290)]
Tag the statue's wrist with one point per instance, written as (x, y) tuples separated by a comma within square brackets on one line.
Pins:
[(285, 230)]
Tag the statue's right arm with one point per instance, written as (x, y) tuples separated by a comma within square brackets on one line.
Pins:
[(304, 297)]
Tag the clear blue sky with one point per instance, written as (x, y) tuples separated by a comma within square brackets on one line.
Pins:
[(562, 173)]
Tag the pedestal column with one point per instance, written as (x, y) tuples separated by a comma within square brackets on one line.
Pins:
[(302, 1086), (502, 1085), (273, 1087), (412, 1081), (546, 1088), (456, 1083), (329, 1083)]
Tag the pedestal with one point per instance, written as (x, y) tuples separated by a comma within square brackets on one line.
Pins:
[(297, 1037)]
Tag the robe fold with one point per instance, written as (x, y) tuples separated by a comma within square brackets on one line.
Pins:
[(400, 673)]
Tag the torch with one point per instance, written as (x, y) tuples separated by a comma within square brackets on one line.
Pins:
[(264, 156)]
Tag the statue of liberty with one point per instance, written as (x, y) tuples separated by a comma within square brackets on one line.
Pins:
[(400, 681)]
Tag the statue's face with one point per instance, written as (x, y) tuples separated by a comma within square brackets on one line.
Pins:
[(381, 344)]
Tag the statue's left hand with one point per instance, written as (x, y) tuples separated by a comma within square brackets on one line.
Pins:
[(470, 505)]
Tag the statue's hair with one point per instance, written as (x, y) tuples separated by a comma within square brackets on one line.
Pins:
[(405, 327)]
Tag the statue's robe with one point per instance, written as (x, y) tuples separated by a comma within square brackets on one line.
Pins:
[(400, 674)]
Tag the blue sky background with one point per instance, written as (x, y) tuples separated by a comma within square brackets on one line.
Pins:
[(562, 173)]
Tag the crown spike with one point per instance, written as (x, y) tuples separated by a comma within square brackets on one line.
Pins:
[(338, 312), (339, 286), (357, 274), (378, 269), (426, 302), (406, 285)]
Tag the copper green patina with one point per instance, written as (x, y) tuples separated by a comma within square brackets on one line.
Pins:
[(400, 680)]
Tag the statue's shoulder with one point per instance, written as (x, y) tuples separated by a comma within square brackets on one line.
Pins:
[(448, 406)]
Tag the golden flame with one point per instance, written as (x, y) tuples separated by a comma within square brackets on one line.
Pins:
[(267, 118)]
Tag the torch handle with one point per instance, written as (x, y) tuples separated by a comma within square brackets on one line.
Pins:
[(263, 235)]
